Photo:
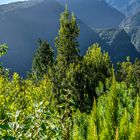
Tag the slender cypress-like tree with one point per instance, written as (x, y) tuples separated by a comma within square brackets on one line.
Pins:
[(92, 128), (124, 126), (135, 132)]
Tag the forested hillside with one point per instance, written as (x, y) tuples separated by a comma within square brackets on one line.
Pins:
[(71, 97)]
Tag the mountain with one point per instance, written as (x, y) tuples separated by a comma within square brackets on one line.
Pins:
[(132, 26), (131, 21), (120, 44), (23, 23), (128, 7), (134, 34), (95, 13)]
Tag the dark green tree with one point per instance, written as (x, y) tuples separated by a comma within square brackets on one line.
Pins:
[(97, 65), (84, 76), (130, 73), (43, 59)]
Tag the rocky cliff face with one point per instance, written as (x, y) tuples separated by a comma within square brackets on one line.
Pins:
[(120, 44)]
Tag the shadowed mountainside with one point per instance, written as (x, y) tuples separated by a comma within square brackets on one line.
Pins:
[(23, 23), (120, 43), (96, 13)]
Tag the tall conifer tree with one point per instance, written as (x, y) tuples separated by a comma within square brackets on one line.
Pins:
[(67, 54), (66, 42), (67, 50), (43, 59)]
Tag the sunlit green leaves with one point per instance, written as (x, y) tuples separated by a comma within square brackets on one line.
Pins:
[(3, 49)]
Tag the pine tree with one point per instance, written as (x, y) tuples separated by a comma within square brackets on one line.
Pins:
[(75, 132), (67, 48), (107, 111), (135, 133), (67, 53), (124, 126), (137, 118), (66, 42), (92, 129), (43, 59), (113, 100)]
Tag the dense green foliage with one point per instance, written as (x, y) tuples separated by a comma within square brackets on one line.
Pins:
[(72, 97), (3, 51), (43, 59)]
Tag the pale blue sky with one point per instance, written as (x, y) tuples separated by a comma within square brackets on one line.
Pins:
[(8, 1)]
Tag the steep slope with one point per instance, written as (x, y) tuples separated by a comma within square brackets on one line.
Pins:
[(131, 21), (132, 26), (23, 23), (128, 7), (134, 34), (96, 13), (120, 43)]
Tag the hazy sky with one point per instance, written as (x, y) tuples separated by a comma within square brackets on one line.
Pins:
[(8, 1)]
